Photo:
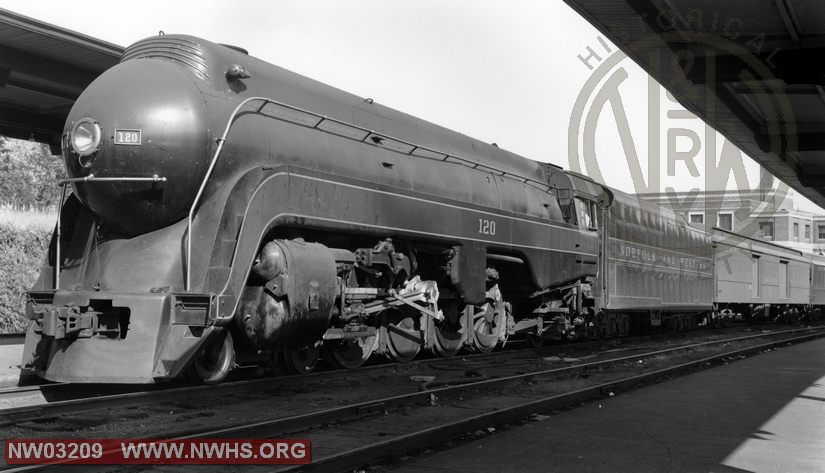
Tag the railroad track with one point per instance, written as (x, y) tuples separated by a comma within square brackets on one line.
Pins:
[(360, 433), (51, 400), (45, 401)]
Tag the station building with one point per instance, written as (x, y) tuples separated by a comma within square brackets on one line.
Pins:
[(751, 213)]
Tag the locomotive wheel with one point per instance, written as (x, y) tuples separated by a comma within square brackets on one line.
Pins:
[(214, 361), (447, 336), (301, 360), (485, 328), (351, 353), (403, 337)]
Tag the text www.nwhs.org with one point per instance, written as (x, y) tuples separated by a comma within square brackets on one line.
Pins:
[(138, 451)]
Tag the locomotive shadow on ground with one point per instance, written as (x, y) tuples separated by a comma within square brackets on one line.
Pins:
[(696, 423)]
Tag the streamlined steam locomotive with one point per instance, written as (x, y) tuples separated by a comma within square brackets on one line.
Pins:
[(219, 207)]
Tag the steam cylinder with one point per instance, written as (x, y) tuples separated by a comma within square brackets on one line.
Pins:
[(293, 305)]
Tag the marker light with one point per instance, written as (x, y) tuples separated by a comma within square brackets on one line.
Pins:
[(85, 137)]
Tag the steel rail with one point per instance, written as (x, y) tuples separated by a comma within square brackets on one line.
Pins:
[(433, 435), (162, 393), (356, 457), (283, 424)]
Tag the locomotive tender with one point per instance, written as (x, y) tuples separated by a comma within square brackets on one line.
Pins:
[(223, 206)]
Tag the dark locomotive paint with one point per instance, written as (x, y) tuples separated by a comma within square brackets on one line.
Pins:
[(173, 120), (285, 176)]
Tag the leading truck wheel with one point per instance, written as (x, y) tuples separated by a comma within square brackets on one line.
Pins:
[(351, 353), (302, 360), (215, 360)]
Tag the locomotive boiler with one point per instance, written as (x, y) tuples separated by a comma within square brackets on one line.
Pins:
[(219, 206)]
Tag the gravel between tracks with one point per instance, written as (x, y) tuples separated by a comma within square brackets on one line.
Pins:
[(321, 393)]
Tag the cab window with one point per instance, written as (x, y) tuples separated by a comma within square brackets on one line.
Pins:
[(586, 213)]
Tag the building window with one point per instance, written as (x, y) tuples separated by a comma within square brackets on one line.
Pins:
[(807, 232), (796, 230), (726, 221), (821, 230), (766, 230), (697, 218)]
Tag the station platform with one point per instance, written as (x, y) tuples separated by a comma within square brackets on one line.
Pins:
[(765, 413)]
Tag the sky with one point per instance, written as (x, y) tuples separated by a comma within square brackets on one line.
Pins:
[(503, 72)]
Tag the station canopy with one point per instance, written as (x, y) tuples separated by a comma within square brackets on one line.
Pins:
[(754, 70), (43, 69)]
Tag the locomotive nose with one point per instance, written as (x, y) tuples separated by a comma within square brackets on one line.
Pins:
[(138, 136)]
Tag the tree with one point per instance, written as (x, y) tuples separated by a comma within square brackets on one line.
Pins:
[(29, 175)]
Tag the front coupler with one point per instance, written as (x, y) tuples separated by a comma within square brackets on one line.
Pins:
[(108, 337)]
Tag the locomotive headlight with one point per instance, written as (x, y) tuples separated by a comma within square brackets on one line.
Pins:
[(85, 137)]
